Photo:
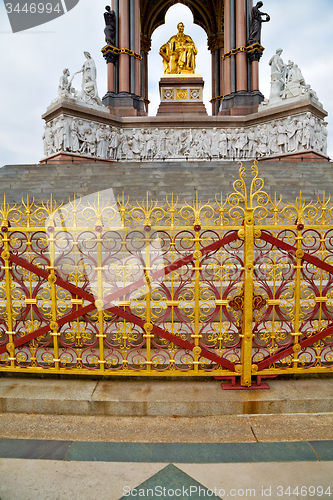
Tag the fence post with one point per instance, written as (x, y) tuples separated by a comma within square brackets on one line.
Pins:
[(148, 326), (52, 281), (196, 268), (100, 292), (247, 334), (7, 268)]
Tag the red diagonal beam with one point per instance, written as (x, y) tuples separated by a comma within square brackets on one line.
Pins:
[(116, 310), (45, 329), (171, 267), (130, 288), (289, 350), (172, 338), (290, 249), (128, 317), (44, 274)]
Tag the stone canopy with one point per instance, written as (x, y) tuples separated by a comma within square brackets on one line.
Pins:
[(208, 14)]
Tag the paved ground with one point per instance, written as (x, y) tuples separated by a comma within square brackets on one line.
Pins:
[(87, 456)]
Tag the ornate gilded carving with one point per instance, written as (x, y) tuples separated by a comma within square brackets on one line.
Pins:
[(145, 43), (216, 41)]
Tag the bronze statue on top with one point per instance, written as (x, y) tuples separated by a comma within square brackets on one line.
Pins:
[(256, 22), (179, 53), (110, 26)]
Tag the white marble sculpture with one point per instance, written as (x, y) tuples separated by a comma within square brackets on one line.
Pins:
[(88, 95), (292, 134), (65, 88), (48, 139), (89, 92), (287, 82)]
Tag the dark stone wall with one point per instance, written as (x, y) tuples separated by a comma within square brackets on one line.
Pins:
[(161, 179)]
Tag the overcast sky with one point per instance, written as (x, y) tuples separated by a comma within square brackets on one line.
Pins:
[(31, 62)]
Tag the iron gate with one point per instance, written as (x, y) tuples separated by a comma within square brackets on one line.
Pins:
[(241, 287)]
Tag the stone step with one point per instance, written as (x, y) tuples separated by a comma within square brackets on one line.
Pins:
[(163, 397)]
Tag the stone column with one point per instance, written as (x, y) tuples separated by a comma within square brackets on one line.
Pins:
[(227, 48), (222, 82), (215, 44), (241, 59), (124, 95), (213, 80), (132, 29), (233, 44), (145, 48), (111, 59), (110, 67), (241, 87), (137, 47), (124, 39), (217, 80), (255, 75)]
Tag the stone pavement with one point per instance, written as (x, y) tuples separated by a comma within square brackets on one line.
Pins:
[(241, 447)]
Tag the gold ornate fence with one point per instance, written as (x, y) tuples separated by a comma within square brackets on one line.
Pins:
[(240, 287)]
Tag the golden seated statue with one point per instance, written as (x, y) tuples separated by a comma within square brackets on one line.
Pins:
[(179, 53)]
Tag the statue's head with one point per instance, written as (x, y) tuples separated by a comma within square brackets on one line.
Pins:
[(108, 8), (66, 72), (87, 54), (180, 27), (259, 4), (279, 51)]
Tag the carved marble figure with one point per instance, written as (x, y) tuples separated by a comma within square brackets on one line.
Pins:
[(75, 136), (295, 133), (48, 139), (291, 133), (89, 93), (273, 139), (252, 144), (278, 75), (241, 142), (65, 85), (215, 144), (263, 149), (223, 144), (101, 140), (287, 81), (58, 134), (113, 144)]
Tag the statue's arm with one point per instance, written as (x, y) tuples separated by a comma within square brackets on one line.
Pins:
[(164, 51)]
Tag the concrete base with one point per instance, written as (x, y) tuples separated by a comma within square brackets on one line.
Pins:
[(181, 114), (58, 158), (298, 157), (181, 94), (164, 398), (124, 104), (241, 103)]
